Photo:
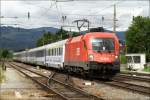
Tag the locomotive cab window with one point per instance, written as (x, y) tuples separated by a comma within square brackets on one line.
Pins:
[(103, 45)]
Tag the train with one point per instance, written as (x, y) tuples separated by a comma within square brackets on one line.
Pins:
[(92, 54)]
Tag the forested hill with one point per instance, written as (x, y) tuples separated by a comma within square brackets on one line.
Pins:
[(19, 38)]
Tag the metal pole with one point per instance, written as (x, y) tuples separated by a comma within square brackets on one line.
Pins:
[(63, 21), (149, 8), (114, 19)]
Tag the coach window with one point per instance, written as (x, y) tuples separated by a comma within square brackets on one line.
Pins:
[(55, 51), (59, 50), (50, 52), (30, 54), (41, 53)]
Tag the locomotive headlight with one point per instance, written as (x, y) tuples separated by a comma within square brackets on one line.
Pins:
[(116, 57), (91, 57), (116, 61)]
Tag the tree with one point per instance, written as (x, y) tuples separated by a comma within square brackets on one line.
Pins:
[(62, 34), (45, 39), (138, 36), (4, 54), (49, 37)]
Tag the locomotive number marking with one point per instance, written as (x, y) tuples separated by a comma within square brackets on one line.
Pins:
[(78, 51)]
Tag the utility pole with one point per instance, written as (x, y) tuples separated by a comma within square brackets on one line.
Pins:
[(114, 19), (149, 8), (63, 21), (102, 21)]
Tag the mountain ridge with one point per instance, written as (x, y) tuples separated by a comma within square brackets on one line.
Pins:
[(15, 38)]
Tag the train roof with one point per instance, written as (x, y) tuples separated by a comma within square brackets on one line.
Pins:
[(92, 34), (102, 34), (55, 44), (16, 53), (74, 39)]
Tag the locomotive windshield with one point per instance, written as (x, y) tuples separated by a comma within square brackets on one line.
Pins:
[(103, 45)]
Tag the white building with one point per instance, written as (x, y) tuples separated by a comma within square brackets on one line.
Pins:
[(136, 61)]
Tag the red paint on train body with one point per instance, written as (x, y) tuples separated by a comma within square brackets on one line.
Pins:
[(92, 50)]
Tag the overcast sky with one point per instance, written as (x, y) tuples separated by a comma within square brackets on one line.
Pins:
[(46, 13)]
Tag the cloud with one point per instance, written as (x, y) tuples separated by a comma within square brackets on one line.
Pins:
[(49, 13)]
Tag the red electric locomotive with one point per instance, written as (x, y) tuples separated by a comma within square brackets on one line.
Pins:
[(95, 53)]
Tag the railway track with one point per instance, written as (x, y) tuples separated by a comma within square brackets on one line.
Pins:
[(116, 82), (135, 73), (62, 89), (128, 86), (131, 77)]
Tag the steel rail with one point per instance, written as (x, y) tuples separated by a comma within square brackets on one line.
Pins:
[(135, 73), (133, 77), (35, 80), (128, 86), (81, 92)]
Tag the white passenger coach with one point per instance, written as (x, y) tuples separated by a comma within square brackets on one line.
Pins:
[(51, 55)]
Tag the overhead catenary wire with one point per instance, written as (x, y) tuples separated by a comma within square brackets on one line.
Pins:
[(60, 12)]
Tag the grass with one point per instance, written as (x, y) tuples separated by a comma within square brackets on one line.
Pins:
[(123, 59), (147, 69), (2, 76)]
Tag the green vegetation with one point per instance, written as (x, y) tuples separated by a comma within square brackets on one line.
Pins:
[(123, 59), (138, 36), (5, 54), (2, 76), (45, 39), (147, 69), (53, 37)]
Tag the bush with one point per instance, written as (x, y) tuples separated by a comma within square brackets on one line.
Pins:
[(138, 36), (123, 59)]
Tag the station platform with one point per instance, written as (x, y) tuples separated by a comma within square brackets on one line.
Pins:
[(16, 86)]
